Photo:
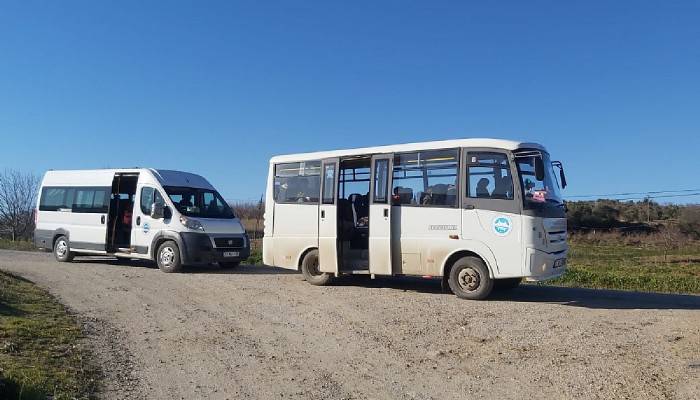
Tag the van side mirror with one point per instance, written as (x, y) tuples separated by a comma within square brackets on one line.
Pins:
[(157, 210), (539, 169)]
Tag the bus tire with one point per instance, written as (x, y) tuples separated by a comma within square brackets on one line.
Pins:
[(310, 271), (469, 279), (168, 257), (507, 283), (229, 264), (61, 250)]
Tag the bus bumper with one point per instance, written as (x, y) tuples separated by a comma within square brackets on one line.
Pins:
[(543, 266)]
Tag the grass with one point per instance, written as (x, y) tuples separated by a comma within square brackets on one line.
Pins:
[(24, 245), (40, 354), (640, 267)]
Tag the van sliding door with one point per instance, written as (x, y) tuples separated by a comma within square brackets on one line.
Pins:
[(328, 217)]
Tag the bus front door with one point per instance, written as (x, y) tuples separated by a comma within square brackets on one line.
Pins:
[(328, 217), (380, 216)]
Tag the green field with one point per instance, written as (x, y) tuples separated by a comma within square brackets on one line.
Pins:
[(40, 354), (648, 268), (23, 245)]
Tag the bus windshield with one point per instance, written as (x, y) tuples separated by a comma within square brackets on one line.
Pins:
[(546, 191), (199, 203)]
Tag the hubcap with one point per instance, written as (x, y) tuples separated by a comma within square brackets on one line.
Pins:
[(166, 256), (469, 279), (61, 248)]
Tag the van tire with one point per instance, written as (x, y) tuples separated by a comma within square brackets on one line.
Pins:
[(61, 250), (168, 257), (507, 283), (469, 279), (309, 269), (229, 264)]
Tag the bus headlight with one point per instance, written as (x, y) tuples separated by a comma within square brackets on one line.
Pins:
[(191, 224)]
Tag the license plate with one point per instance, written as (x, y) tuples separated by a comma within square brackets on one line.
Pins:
[(231, 254), (560, 263)]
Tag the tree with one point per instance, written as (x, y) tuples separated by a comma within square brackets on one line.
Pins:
[(18, 193)]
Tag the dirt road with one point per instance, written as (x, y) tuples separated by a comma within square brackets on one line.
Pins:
[(263, 333)]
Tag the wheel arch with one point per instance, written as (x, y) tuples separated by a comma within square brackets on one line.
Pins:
[(303, 254), (163, 236), (488, 259), (57, 234)]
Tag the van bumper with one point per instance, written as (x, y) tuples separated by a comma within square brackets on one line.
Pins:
[(543, 266), (201, 249)]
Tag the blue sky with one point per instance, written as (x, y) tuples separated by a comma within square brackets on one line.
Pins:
[(611, 88)]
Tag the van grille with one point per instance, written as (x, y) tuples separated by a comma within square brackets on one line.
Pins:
[(236, 242)]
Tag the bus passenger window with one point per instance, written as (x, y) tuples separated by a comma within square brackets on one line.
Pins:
[(298, 182), (426, 178), (488, 176)]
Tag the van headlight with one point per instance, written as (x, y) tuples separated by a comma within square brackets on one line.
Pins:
[(190, 223)]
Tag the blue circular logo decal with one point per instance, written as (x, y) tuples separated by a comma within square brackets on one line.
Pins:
[(502, 225), (146, 227)]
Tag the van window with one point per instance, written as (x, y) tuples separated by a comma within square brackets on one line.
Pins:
[(91, 200), (488, 176), (298, 182), (149, 196), (56, 198), (426, 178)]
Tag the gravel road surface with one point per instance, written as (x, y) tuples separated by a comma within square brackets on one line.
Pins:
[(264, 333)]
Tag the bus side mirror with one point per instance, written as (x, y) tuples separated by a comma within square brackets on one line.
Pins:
[(539, 169), (562, 177), (157, 210)]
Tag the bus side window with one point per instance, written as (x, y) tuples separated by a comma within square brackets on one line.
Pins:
[(488, 176)]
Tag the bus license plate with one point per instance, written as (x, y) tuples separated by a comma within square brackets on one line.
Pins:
[(231, 254)]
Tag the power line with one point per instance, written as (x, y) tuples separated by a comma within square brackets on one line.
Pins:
[(633, 193), (660, 197)]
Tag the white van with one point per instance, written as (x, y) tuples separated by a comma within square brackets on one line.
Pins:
[(174, 218), (480, 213)]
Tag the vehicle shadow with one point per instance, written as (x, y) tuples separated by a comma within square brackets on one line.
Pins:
[(531, 293), (243, 269), (199, 269), (599, 298)]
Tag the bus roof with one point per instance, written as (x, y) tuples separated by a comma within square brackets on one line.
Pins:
[(400, 148)]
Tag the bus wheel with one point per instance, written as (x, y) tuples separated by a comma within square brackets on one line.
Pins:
[(168, 257), (506, 284), (469, 279), (310, 271), (61, 250)]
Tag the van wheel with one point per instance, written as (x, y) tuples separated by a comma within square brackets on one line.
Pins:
[(61, 250), (229, 265), (507, 284), (469, 279), (310, 271), (168, 257)]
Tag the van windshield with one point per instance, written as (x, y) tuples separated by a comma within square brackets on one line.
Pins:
[(199, 203)]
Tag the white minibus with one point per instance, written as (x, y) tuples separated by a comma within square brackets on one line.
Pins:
[(174, 218), (477, 212)]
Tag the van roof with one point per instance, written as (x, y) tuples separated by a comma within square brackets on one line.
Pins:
[(399, 148), (103, 177)]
